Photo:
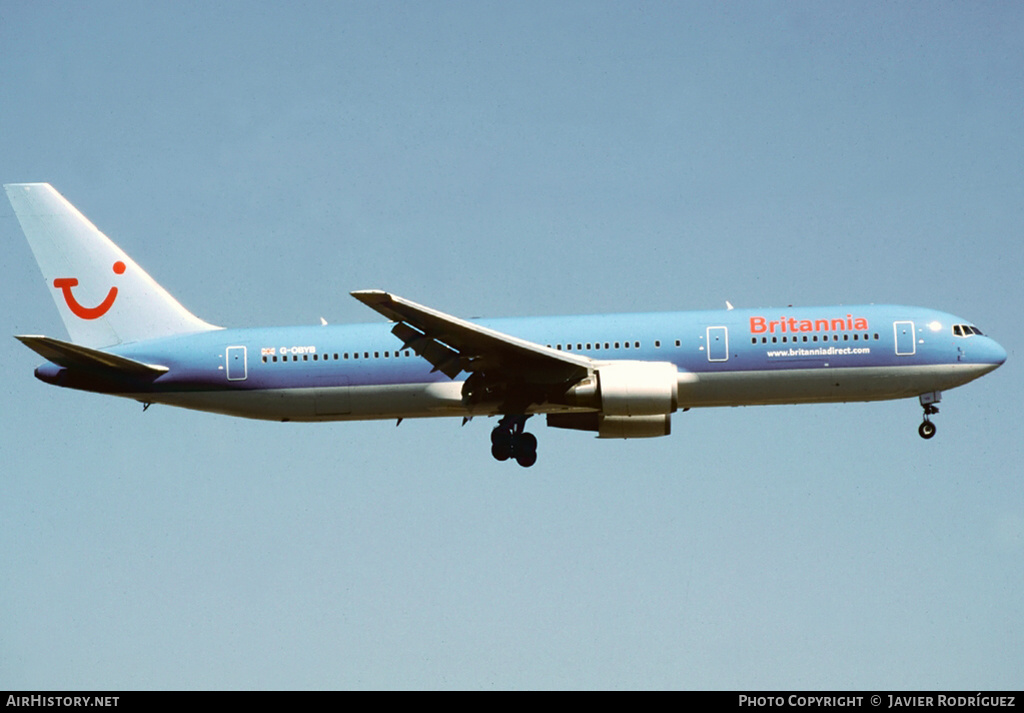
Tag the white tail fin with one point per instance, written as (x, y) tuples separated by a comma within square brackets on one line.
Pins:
[(102, 295)]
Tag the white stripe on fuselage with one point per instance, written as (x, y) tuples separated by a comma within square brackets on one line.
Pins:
[(729, 388)]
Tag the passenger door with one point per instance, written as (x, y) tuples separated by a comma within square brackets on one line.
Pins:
[(906, 338), (718, 343)]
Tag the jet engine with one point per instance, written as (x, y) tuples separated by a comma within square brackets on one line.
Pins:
[(631, 399)]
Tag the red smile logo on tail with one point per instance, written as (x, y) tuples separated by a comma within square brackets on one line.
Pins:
[(66, 283)]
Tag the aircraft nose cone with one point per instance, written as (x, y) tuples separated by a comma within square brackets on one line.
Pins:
[(997, 353), (989, 352)]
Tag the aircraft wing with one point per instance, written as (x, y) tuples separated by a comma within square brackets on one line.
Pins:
[(454, 345)]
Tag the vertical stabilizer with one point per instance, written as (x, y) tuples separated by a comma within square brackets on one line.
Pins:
[(102, 295)]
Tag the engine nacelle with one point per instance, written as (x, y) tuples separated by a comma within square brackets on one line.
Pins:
[(614, 426), (629, 388), (631, 399), (638, 388)]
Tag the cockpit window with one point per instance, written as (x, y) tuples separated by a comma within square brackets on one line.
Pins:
[(966, 330)]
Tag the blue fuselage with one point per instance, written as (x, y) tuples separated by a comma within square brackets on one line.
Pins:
[(734, 357)]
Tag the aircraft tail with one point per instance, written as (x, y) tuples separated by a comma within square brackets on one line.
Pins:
[(102, 295)]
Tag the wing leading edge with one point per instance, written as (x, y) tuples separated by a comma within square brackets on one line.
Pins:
[(496, 362)]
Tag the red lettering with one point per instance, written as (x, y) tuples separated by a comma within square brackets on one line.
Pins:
[(760, 325)]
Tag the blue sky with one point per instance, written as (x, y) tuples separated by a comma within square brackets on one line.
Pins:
[(489, 159)]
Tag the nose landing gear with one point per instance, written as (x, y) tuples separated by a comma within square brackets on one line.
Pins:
[(927, 429), (509, 440)]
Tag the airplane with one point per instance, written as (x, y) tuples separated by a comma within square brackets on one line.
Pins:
[(615, 375)]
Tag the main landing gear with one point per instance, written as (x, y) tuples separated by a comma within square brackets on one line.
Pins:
[(509, 440), (927, 429)]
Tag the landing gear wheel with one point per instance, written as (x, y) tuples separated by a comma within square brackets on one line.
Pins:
[(524, 447), (502, 438), (525, 442), (509, 440), (928, 401), (501, 452), (526, 458)]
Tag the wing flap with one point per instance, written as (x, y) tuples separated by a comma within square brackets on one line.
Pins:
[(75, 356), (442, 357)]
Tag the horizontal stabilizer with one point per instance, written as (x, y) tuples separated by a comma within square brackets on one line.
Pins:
[(75, 356)]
